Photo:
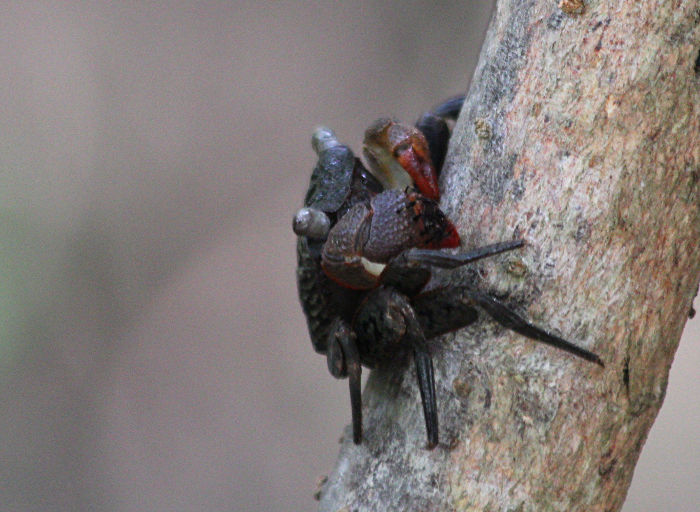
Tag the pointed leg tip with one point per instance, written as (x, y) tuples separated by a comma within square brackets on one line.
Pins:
[(593, 358), (432, 440)]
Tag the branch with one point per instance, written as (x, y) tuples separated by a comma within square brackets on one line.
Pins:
[(580, 134)]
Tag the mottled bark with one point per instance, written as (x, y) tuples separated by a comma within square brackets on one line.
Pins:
[(580, 134)]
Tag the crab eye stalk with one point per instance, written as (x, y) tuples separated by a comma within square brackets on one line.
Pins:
[(323, 139), (311, 223)]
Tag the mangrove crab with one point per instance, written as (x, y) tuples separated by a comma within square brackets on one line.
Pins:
[(367, 240)]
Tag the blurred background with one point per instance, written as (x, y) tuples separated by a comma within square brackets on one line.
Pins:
[(153, 355)]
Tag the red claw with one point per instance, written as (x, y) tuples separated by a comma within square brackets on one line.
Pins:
[(415, 159), (399, 157)]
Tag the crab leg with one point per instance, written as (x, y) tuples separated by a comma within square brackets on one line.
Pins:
[(409, 271), (442, 310), (344, 361), (442, 259), (437, 133), (354, 367), (514, 322), (424, 369), (426, 384)]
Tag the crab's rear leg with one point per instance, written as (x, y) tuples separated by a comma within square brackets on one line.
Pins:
[(344, 361), (443, 310), (511, 320)]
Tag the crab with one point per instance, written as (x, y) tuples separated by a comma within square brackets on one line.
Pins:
[(367, 240)]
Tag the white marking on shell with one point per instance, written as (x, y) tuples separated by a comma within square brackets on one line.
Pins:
[(372, 267)]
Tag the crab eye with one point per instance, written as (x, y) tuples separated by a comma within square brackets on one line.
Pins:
[(311, 223), (323, 139)]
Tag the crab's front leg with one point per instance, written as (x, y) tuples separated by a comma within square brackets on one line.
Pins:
[(410, 270), (387, 325)]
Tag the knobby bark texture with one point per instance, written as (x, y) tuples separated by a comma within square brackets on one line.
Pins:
[(581, 134)]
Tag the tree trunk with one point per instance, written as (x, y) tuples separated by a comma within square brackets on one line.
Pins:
[(581, 135)]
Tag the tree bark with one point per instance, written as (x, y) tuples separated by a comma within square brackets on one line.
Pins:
[(581, 135)]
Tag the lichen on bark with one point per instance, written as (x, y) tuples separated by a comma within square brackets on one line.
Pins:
[(580, 134)]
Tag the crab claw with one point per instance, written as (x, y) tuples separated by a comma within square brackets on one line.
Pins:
[(399, 157)]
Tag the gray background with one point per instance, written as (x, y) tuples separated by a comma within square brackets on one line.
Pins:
[(152, 352)]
